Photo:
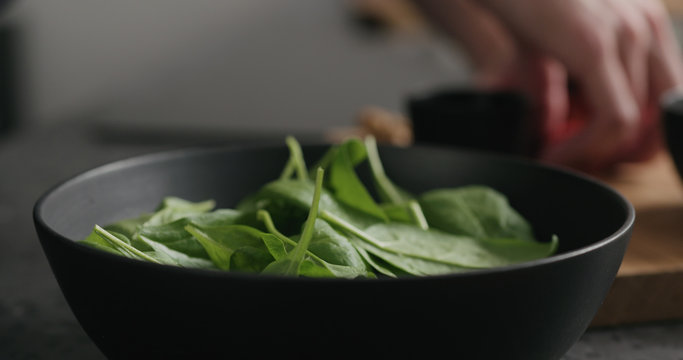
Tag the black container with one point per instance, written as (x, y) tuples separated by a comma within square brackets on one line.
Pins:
[(9, 73), (494, 121), (133, 309)]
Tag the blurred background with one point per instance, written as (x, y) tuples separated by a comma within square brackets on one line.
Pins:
[(237, 68), (234, 68), (86, 82)]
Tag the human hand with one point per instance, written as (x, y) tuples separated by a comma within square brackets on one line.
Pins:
[(621, 55)]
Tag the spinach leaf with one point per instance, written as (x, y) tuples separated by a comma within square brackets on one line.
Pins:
[(333, 246), (128, 227), (296, 158), (477, 211), (408, 264), (173, 236), (243, 249), (173, 208), (122, 245), (218, 253), (325, 161), (437, 246), (405, 208), (392, 262), (223, 242), (386, 189), (463, 251), (379, 265), (334, 251), (234, 236), (275, 246), (290, 264), (288, 201), (166, 255), (397, 212), (250, 259), (517, 251), (345, 185), (218, 217), (310, 268), (99, 242)]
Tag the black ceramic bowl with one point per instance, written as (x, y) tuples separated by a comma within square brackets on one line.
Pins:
[(134, 309)]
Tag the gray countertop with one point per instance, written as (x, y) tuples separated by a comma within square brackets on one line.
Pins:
[(35, 320)]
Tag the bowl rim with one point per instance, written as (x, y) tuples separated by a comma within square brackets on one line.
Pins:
[(166, 155)]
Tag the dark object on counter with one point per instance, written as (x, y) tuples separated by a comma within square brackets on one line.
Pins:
[(492, 121), (672, 122), (9, 92), (134, 309)]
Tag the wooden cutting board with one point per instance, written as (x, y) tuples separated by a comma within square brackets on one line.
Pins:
[(649, 284)]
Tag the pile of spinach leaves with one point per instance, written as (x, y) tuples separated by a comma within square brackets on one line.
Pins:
[(327, 224)]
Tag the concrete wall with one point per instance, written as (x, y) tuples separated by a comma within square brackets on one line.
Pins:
[(79, 53), (168, 60)]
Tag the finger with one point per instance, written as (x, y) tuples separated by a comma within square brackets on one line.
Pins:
[(614, 117), (544, 83), (556, 97), (547, 87), (650, 138), (634, 39), (665, 72), (665, 65)]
